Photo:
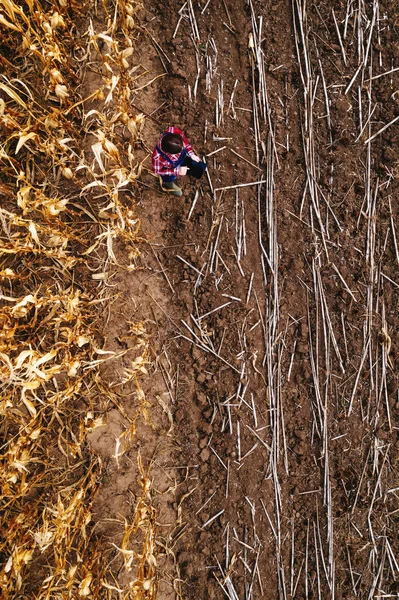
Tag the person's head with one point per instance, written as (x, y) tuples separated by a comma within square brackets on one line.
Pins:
[(172, 143)]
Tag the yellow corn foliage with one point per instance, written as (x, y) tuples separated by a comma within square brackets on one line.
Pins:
[(61, 203)]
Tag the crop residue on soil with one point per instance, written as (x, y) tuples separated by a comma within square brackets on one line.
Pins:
[(285, 295)]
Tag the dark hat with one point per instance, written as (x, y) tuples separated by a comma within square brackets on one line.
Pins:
[(172, 143)]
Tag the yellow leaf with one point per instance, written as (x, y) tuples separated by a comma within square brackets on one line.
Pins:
[(29, 405), (13, 95), (19, 309), (31, 385), (22, 356), (97, 149), (23, 139), (127, 52), (61, 91), (8, 566), (33, 232), (72, 571), (67, 173), (46, 358), (84, 587), (3, 21), (57, 21), (23, 195), (111, 149)]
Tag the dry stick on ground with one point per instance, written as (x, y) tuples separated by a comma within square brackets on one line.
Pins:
[(193, 205), (307, 562), (200, 344), (260, 97), (326, 316), (309, 91), (231, 101), (326, 98), (323, 560), (198, 62), (393, 231), (213, 253), (227, 584), (215, 151), (363, 127), (279, 401), (370, 525), (329, 337), (188, 264), (267, 223), (291, 360), (292, 557), (339, 38), (314, 364), (385, 347), (183, 14), (249, 288), (362, 361), (213, 311), (211, 519), (245, 160), (317, 561), (193, 22), (344, 282), (363, 54), (370, 201), (371, 264), (238, 229), (381, 130), (219, 105), (205, 338), (383, 74), (205, 503), (163, 271), (351, 570), (240, 185)]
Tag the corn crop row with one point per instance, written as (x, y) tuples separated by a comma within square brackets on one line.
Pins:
[(63, 172)]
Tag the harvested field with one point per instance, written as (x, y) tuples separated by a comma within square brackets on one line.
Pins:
[(200, 397)]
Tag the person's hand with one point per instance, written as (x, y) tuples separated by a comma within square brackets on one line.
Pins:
[(196, 158), (183, 170)]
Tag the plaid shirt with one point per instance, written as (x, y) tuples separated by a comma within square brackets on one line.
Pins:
[(160, 165)]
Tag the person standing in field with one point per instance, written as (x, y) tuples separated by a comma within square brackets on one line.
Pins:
[(173, 156)]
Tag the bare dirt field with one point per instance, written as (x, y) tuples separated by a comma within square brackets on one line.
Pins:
[(285, 396), (263, 462)]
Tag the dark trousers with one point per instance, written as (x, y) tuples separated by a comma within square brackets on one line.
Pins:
[(195, 169)]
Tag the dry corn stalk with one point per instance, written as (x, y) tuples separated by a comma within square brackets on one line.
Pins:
[(50, 346)]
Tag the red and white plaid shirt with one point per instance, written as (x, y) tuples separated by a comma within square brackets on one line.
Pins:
[(160, 165)]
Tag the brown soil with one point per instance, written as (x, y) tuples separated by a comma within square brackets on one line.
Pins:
[(285, 435)]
